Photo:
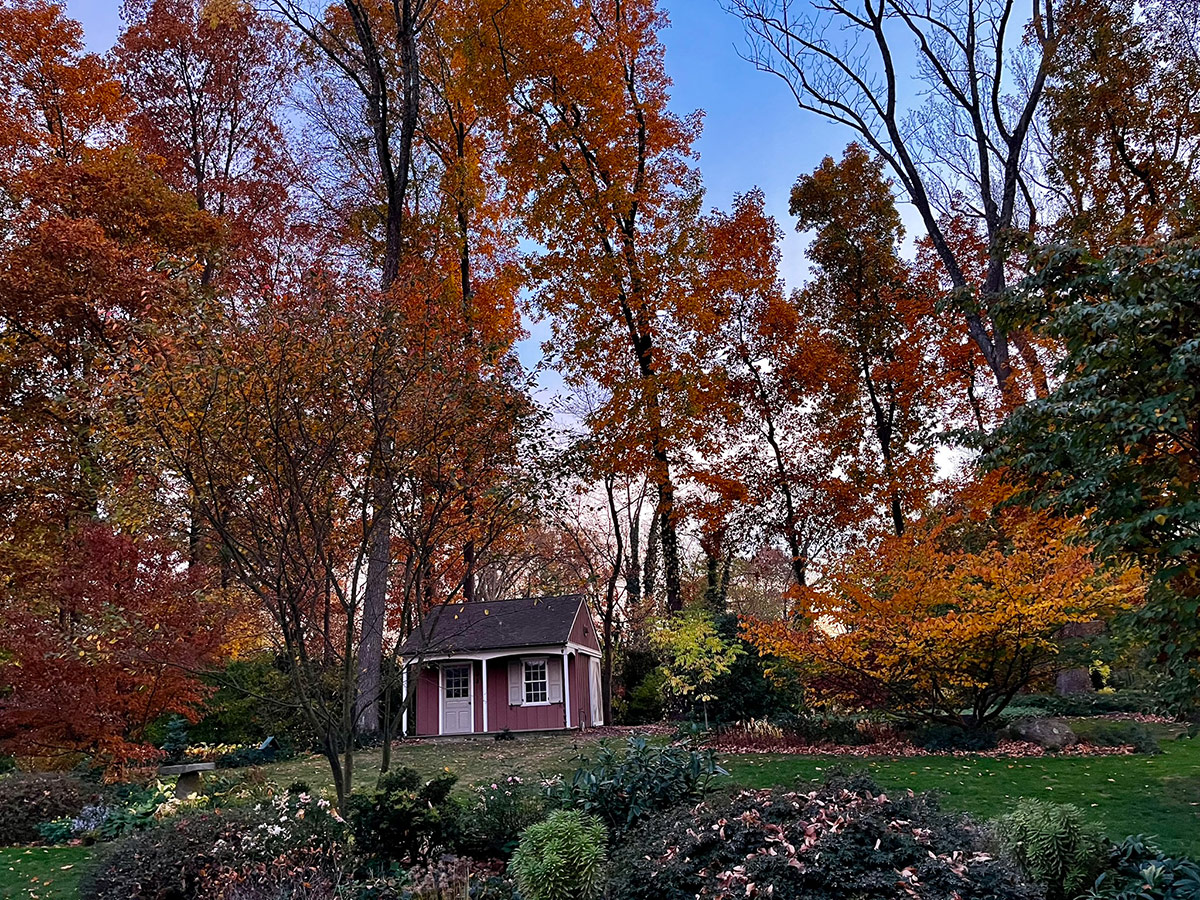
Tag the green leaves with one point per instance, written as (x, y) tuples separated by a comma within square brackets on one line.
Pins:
[(623, 787), (1119, 439), (562, 858)]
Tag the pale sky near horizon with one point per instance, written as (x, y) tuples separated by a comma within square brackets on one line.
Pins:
[(754, 136)]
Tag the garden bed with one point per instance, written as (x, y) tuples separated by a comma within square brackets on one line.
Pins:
[(899, 748)]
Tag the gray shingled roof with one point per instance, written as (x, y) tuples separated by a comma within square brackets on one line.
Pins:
[(471, 627)]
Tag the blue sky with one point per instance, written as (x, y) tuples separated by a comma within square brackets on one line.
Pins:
[(753, 133)]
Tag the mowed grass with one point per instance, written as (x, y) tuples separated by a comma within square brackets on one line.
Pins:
[(472, 760), (41, 873), (1157, 795)]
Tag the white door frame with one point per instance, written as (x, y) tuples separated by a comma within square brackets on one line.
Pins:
[(469, 664)]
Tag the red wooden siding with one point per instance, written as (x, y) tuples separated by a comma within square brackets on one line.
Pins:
[(427, 701), (519, 718), (500, 714), (580, 707), (583, 631)]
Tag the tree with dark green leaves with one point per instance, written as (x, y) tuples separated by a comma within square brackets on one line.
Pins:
[(1118, 440)]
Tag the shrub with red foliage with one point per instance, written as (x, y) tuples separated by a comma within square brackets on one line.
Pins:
[(101, 643)]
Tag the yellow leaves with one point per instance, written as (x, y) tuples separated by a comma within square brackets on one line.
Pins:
[(968, 603)]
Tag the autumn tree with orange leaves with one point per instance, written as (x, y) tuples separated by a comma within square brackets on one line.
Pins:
[(868, 323), (207, 81), (612, 196), (950, 620), (96, 247), (1123, 122)]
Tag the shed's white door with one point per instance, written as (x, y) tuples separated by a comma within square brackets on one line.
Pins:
[(596, 691), (457, 713)]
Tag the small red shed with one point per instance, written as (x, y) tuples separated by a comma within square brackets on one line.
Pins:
[(527, 664)]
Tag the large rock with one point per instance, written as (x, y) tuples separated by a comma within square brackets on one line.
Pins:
[(1050, 734)]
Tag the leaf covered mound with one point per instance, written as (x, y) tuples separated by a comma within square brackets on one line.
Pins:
[(843, 839)]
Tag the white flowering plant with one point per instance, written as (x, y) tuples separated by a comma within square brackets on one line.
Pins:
[(498, 812)]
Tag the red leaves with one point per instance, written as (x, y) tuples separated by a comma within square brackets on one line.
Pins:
[(105, 635)]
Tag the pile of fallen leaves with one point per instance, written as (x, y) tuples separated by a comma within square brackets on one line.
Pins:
[(895, 745), (843, 839)]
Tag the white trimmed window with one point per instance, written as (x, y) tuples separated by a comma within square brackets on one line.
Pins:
[(458, 682), (537, 684)]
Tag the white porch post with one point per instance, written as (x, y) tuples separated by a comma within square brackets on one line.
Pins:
[(566, 688), (404, 696), (485, 715)]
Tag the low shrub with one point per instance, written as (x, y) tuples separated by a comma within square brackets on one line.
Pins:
[(816, 728), (27, 801), (562, 858), (232, 854), (622, 787), (1098, 704), (1138, 870), (1117, 733), (943, 738), (403, 818), (1055, 845), (498, 811), (842, 839)]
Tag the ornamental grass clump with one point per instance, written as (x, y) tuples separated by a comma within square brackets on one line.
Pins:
[(562, 858)]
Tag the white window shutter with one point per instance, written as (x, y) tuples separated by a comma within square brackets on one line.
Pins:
[(554, 679), (516, 683)]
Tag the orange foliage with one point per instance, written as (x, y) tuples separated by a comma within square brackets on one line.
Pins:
[(958, 614)]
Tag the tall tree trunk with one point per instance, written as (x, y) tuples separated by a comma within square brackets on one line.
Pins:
[(395, 164)]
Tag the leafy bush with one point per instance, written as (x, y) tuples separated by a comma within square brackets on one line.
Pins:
[(450, 878), (403, 819), (562, 858), (1138, 870), (497, 814), (843, 839), (241, 710), (294, 839), (622, 787), (56, 831), (940, 738), (1055, 845), (1117, 733), (26, 801), (755, 687)]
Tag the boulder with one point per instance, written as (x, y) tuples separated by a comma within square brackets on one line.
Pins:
[(1049, 734)]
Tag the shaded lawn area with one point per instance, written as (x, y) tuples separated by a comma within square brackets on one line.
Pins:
[(1157, 795), (472, 760), (41, 873)]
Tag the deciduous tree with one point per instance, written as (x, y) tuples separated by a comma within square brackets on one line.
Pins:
[(1118, 441), (965, 150), (951, 619)]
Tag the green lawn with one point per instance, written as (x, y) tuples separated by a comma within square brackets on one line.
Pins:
[(1129, 794), (41, 873), (1157, 795), (471, 760)]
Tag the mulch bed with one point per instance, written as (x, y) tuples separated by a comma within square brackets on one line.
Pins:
[(897, 747)]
